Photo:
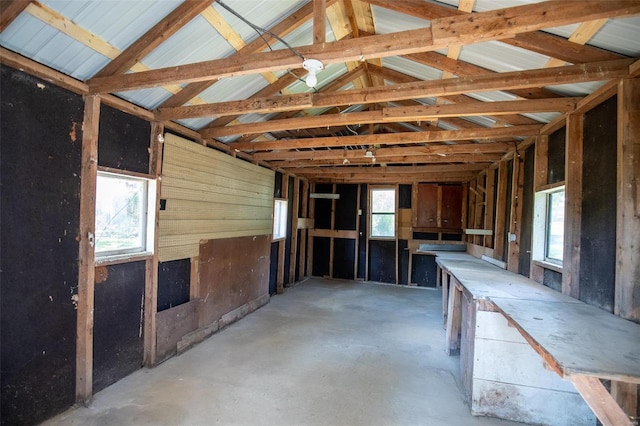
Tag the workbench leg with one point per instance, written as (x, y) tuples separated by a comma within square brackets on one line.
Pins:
[(445, 296), (600, 401), (454, 318)]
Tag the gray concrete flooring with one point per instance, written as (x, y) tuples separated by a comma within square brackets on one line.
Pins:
[(324, 353)]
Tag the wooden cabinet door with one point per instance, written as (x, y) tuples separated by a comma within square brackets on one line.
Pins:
[(427, 206), (451, 207)]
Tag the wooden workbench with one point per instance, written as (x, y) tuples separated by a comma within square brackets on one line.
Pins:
[(579, 342)]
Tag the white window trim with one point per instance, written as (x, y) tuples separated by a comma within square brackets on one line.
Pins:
[(395, 213), (284, 204), (540, 224), (150, 220)]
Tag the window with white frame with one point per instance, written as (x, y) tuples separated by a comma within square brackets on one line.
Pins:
[(383, 213), (279, 219), (125, 215), (548, 235)]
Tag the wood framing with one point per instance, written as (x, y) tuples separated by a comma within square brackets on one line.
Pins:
[(86, 255)]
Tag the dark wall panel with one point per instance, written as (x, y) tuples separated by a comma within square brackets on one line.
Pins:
[(173, 283), (507, 222), (346, 207), (424, 270), (526, 224), (41, 140), (277, 186), (322, 214), (287, 242), (403, 262), (382, 261), (404, 197), (598, 233), (273, 269), (362, 236), (556, 156), (118, 343), (124, 141), (344, 258), (552, 279), (321, 248)]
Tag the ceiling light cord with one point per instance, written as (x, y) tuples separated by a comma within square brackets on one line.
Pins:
[(261, 30)]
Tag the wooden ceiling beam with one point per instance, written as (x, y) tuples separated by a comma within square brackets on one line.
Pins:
[(414, 159), (380, 153), (453, 86), (319, 21), (409, 169), (481, 133), (153, 38), (398, 114), (398, 179), (10, 11), (543, 43), (491, 25)]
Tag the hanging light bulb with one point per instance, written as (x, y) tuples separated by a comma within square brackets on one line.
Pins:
[(312, 66)]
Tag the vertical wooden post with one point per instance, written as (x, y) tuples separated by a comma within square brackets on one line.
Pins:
[(454, 317), (304, 213), (501, 211), (333, 228), (86, 255), (312, 214), (294, 230), (396, 230), (282, 243), (357, 245), (627, 284), (573, 205), (488, 206), (151, 266), (513, 261), (541, 167)]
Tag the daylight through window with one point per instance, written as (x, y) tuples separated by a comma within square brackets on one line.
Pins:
[(383, 213), (122, 219)]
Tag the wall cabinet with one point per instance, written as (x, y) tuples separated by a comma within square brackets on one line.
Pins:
[(438, 207)]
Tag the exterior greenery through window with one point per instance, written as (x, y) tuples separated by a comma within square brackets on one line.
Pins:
[(383, 213), (122, 215)]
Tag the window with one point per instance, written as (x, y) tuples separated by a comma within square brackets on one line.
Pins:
[(124, 223), (554, 239), (548, 237), (279, 219), (383, 213)]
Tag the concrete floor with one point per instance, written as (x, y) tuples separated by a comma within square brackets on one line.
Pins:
[(324, 353)]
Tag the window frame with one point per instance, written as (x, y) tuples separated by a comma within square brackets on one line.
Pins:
[(147, 216), (280, 221), (372, 213), (542, 226)]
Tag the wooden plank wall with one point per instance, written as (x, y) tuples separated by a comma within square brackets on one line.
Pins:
[(209, 195)]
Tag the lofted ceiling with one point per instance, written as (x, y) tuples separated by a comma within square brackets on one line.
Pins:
[(436, 90)]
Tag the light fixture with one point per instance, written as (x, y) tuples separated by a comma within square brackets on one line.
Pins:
[(312, 66), (368, 154)]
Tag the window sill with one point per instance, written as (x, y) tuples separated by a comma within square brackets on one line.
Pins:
[(548, 265), (122, 258)]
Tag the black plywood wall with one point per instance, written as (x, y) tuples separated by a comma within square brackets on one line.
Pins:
[(41, 142), (174, 280), (598, 224), (123, 141), (526, 223)]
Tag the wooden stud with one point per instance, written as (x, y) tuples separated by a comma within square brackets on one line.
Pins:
[(311, 215), (10, 11), (513, 260), (627, 295), (304, 213), (151, 267), (359, 209), (573, 205), (489, 207), (86, 255), (501, 211), (293, 254), (454, 317), (281, 243), (541, 166), (333, 228), (319, 21)]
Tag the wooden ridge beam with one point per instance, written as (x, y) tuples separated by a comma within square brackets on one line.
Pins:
[(380, 153), (392, 138), (399, 114), (439, 168), (153, 38), (485, 26), (387, 178)]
